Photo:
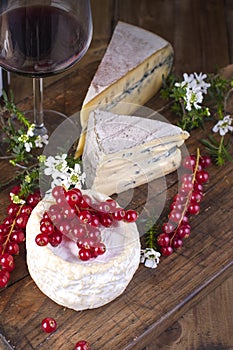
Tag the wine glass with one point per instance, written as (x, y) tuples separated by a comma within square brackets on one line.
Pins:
[(40, 38)]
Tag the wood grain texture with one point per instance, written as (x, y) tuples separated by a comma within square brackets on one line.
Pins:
[(154, 299)]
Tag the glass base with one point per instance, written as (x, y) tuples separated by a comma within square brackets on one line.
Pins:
[(52, 119)]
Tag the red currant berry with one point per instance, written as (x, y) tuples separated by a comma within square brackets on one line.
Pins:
[(55, 239), (131, 216), (21, 220), (198, 187), (106, 220), (177, 243), (82, 345), (12, 209), (95, 221), (196, 196), (98, 249), (4, 278), (189, 162), (65, 227), (7, 262), (163, 240), (193, 208), (187, 187), (73, 197), (8, 221), (33, 199), (42, 239), (48, 325), (58, 191), (176, 205), (183, 231), (205, 161), (202, 176), (175, 215), (180, 197), (27, 209), (12, 248), (187, 177), (4, 230), (166, 251), (85, 254), (118, 214), (85, 216), (17, 236), (46, 227), (168, 227)]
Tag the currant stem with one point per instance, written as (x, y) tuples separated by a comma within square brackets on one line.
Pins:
[(11, 229)]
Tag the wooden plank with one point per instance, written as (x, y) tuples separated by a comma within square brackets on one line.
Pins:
[(206, 326), (229, 22)]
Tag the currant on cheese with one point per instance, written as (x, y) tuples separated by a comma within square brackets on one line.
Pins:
[(80, 218)]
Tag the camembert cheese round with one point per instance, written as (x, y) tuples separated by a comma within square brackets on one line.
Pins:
[(63, 277)]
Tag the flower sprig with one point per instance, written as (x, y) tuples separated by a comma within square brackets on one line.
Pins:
[(18, 134), (187, 97), (200, 96), (219, 150)]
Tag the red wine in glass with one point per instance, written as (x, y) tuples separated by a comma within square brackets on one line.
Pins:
[(39, 39)]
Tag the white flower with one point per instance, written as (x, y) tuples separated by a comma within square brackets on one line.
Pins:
[(16, 199), (56, 165), (150, 257), (41, 140), (23, 138), (28, 146), (223, 126), (187, 82), (30, 131), (201, 84), (76, 178), (195, 88), (192, 99)]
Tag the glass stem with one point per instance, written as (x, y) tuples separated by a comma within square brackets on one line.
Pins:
[(38, 106)]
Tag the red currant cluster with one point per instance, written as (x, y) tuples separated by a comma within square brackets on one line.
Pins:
[(78, 217), (186, 202), (12, 232)]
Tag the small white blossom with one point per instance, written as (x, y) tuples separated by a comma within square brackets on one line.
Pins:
[(28, 146), (30, 131), (56, 165), (76, 178), (41, 141), (15, 199), (201, 84), (150, 258), (223, 126), (192, 99), (195, 88), (28, 179), (23, 138)]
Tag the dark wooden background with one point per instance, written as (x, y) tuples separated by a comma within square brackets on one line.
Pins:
[(201, 32)]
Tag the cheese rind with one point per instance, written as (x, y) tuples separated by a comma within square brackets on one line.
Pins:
[(131, 72), (123, 152), (76, 284)]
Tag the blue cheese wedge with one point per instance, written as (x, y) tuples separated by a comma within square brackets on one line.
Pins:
[(131, 71), (123, 152), (76, 284)]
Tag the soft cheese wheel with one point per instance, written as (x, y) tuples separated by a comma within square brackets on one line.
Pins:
[(76, 284)]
